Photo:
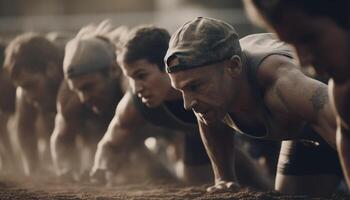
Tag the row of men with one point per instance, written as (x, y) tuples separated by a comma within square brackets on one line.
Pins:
[(252, 85), (90, 95)]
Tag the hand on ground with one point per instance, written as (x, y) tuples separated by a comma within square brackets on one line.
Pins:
[(222, 186)]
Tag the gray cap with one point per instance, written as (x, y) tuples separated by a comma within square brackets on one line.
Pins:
[(86, 55), (200, 42)]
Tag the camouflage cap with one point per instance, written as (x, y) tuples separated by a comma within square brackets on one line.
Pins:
[(86, 55), (200, 42)]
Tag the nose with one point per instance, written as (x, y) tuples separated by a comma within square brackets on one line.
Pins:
[(84, 97), (305, 56), (137, 87), (189, 101)]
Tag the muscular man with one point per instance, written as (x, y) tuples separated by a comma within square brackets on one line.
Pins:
[(319, 30), (86, 102), (254, 86), (154, 101), (35, 66)]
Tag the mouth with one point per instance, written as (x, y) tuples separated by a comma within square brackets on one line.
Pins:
[(144, 98), (93, 105), (95, 109), (201, 114), (207, 116), (89, 104)]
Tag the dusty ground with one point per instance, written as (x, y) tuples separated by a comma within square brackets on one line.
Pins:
[(46, 189)]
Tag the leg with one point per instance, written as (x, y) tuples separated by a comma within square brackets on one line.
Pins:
[(307, 168), (248, 172), (7, 155), (343, 146)]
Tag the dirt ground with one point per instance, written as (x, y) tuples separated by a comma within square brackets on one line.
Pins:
[(149, 182), (51, 190)]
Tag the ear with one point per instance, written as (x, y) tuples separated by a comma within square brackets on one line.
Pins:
[(52, 71), (115, 69), (234, 66)]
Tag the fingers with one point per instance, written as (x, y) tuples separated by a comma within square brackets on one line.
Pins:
[(223, 186), (231, 185)]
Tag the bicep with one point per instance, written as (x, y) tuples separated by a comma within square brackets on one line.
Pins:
[(125, 121), (306, 99), (301, 95)]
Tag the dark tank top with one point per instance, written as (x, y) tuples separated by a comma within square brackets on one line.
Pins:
[(169, 114), (172, 115), (255, 49)]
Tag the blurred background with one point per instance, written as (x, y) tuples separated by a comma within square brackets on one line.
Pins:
[(68, 16)]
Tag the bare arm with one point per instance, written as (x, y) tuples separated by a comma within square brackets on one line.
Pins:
[(26, 116), (118, 136), (340, 96), (63, 138), (219, 144), (299, 97), (343, 147)]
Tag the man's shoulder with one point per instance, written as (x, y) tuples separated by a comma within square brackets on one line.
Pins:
[(68, 101), (273, 67), (127, 115), (264, 42), (257, 37)]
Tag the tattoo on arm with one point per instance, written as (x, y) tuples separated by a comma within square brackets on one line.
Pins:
[(319, 98)]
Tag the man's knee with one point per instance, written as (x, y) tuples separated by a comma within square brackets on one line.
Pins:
[(311, 185)]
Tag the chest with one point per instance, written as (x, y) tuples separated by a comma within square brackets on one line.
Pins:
[(268, 121)]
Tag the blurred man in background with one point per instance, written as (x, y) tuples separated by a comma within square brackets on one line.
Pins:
[(86, 101), (35, 66), (319, 31), (7, 109)]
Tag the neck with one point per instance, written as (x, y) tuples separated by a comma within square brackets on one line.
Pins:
[(56, 83), (117, 90), (173, 94)]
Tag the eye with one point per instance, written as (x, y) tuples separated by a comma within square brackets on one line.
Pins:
[(86, 88), (141, 76), (194, 87), (28, 85)]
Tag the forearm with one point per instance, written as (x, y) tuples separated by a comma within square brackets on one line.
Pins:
[(105, 157), (25, 133), (27, 140), (115, 144), (343, 146), (219, 146), (64, 153)]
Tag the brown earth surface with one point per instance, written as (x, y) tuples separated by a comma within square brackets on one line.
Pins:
[(49, 189)]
